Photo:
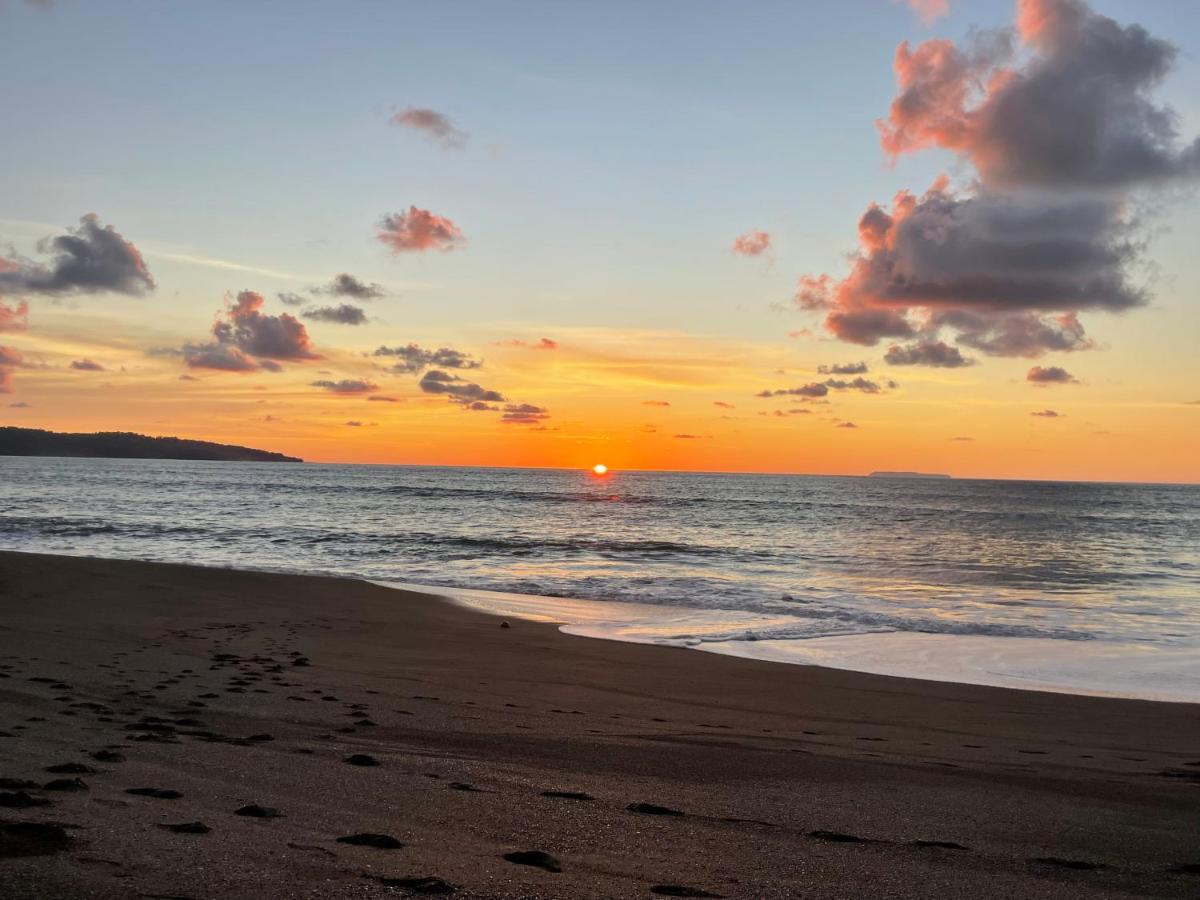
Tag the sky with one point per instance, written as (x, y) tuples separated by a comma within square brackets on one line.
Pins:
[(768, 237)]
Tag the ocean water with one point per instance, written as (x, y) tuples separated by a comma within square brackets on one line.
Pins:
[(1062, 586)]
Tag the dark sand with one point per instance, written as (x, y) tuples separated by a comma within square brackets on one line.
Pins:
[(521, 762)]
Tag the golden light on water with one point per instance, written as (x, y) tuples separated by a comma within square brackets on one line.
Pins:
[(599, 469)]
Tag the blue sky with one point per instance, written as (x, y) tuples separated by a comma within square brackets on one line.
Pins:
[(614, 152)]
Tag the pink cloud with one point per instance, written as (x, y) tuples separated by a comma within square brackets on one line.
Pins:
[(929, 10), (432, 123), (13, 318), (419, 230), (752, 243)]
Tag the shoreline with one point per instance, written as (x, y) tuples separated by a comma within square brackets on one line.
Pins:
[(787, 780)]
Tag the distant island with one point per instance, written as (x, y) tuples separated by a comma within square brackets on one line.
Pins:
[(907, 475), (125, 445)]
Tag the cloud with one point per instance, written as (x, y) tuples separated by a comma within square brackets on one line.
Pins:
[(929, 11), (87, 365), (981, 262), (466, 393), (524, 414), (13, 318), (20, 404), (1044, 375), (10, 358), (380, 398), (346, 285), (1047, 414), (539, 344), (689, 437), (927, 353), (846, 425), (432, 123), (221, 357), (1058, 120), (412, 358), (1075, 109), (858, 368), (752, 243), (812, 389), (354, 424), (419, 230), (287, 298), (723, 404), (342, 314), (247, 339), (816, 389), (347, 386), (656, 403), (1023, 334), (186, 377), (89, 259), (865, 385)]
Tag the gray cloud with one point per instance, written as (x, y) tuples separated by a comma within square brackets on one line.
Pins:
[(1043, 375), (89, 259), (858, 368), (927, 353), (346, 285), (87, 365), (1047, 414), (342, 314), (347, 386), (412, 358), (524, 414), (431, 123), (437, 382), (1076, 111), (1058, 119), (287, 298), (247, 339), (812, 389)]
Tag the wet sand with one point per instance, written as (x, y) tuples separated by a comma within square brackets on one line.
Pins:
[(169, 731)]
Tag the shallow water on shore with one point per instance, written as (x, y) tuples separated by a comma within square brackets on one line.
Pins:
[(1087, 587)]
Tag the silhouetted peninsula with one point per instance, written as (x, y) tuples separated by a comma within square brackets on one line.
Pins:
[(125, 445)]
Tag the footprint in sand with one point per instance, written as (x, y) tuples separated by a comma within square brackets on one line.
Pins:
[(156, 793), (650, 809), (539, 859), (369, 839), (186, 827), (255, 811), (65, 784), (32, 839), (361, 759), (427, 884), (568, 795)]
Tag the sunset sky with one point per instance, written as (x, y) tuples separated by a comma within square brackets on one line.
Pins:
[(667, 235)]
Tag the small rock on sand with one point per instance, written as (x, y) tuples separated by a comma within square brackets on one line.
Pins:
[(361, 759), (255, 811)]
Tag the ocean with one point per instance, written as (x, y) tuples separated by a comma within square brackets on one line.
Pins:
[(1080, 587)]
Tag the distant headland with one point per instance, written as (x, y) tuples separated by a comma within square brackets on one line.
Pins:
[(125, 445), (907, 475)]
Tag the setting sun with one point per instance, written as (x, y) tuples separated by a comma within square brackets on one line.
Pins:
[(599, 469)]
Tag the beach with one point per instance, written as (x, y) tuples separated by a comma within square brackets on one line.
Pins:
[(502, 758)]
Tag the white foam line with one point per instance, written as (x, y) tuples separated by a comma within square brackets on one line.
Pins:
[(1143, 671)]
